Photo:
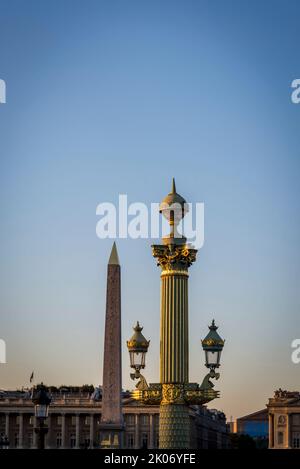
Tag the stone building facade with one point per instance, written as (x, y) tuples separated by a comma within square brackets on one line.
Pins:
[(284, 420), (74, 422)]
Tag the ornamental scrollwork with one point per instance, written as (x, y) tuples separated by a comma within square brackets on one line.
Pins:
[(174, 257), (172, 394), (188, 393)]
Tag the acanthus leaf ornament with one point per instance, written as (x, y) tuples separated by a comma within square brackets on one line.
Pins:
[(174, 257)]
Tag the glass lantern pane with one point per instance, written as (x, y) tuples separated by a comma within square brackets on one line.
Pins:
[(138, 358), (41, 411), (212, 358), (131, 354)]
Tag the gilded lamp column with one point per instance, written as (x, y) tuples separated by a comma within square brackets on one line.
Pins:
[(174, 257)]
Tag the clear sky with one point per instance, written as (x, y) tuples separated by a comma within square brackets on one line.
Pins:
[(109, 97)]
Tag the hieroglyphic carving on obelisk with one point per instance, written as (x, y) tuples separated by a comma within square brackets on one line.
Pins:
[(111, 424)]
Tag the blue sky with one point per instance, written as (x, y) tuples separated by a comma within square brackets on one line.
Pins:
[(112, 97)]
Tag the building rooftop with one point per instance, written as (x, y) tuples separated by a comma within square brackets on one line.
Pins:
[(258, 415)]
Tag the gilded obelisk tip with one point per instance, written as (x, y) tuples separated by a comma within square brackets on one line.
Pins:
[(114, 258)]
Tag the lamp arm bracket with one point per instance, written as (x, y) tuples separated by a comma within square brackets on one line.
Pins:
[(142, 385), (206, 383)]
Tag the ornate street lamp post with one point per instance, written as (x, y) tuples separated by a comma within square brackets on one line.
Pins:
[(212, 346), (138, 346), (41, 400), (175, 393)]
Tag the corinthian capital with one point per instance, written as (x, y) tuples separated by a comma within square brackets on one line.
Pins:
[(174, 257)]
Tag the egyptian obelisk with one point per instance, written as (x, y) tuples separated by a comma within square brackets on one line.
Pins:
[(111, 424)]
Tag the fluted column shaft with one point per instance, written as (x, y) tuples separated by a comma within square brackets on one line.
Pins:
[(174, 426), (174, 343)]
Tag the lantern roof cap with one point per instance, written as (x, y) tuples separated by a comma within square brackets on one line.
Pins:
[(213, 341), (41, 395), (138, 342)]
